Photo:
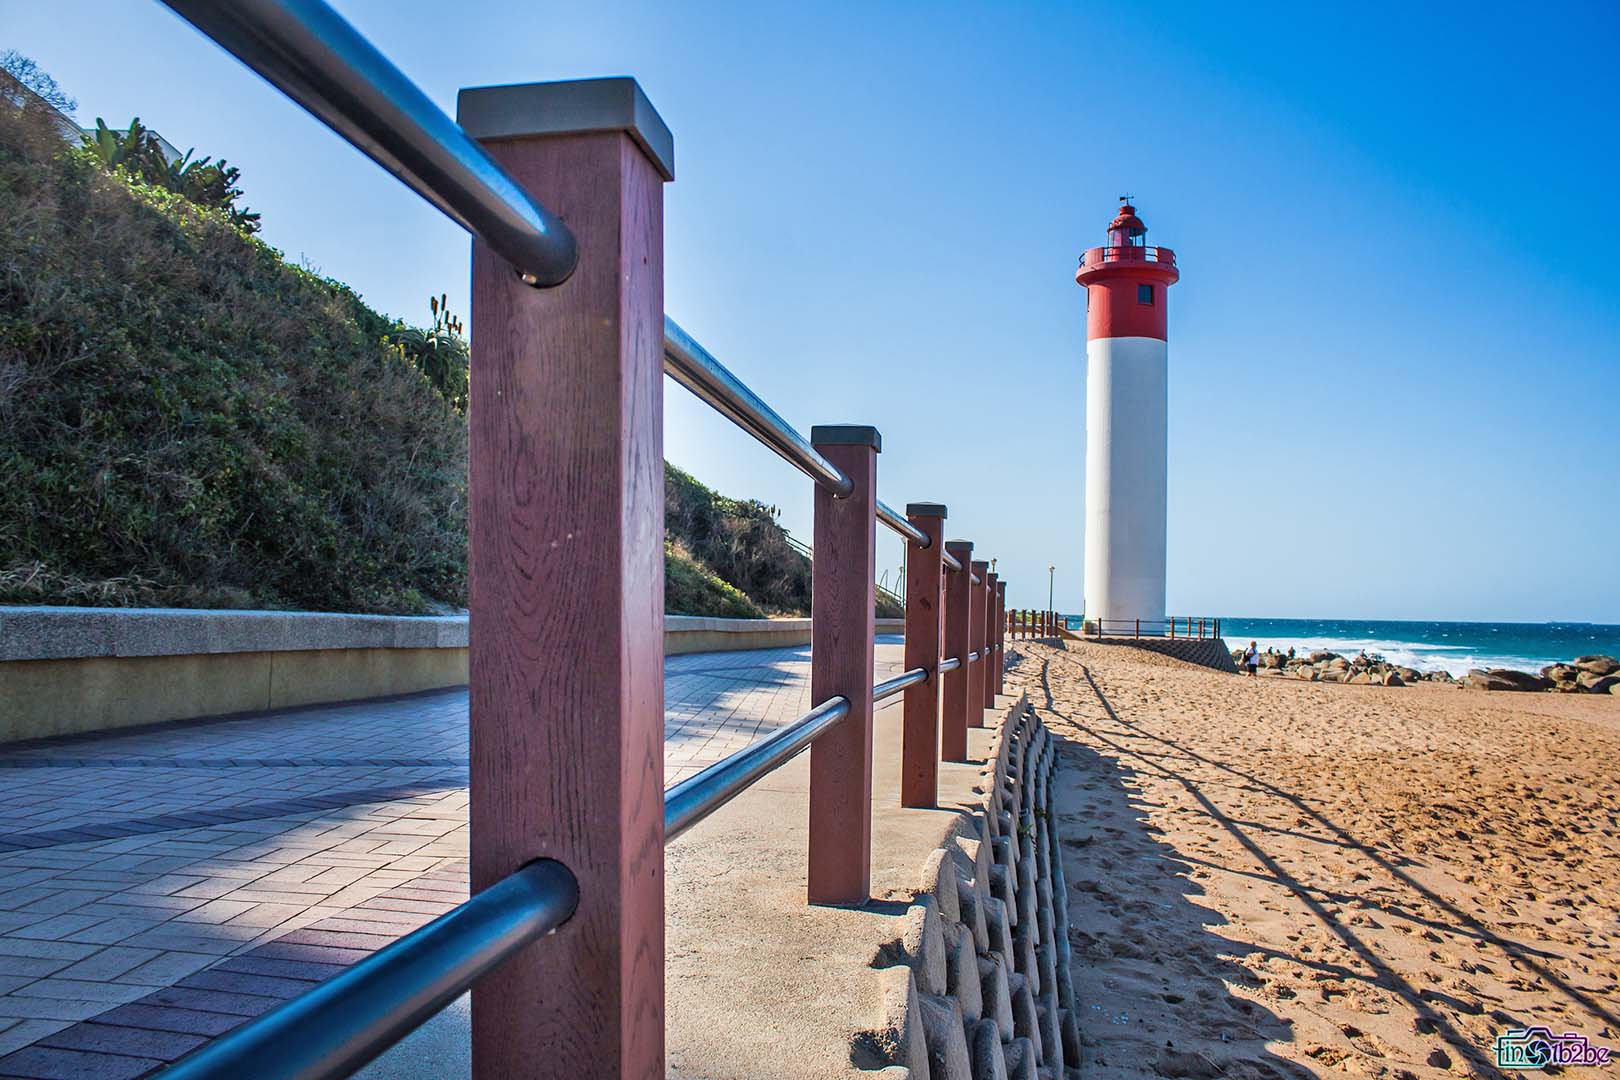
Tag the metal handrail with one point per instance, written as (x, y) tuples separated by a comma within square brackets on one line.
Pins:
[(336, 1027), (885, 690), (950, 561), (950, 665), (899, 524), (696, 797), (310, 53), (691, 365), (973, 657)]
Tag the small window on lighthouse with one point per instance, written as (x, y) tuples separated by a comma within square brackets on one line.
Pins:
[(1144, 294)]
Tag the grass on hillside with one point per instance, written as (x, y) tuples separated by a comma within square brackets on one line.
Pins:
[(187, 419)]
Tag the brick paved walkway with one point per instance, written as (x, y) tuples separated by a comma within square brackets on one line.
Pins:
[(158, 887)]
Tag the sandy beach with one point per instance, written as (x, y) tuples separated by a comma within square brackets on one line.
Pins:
[(1277, 878)]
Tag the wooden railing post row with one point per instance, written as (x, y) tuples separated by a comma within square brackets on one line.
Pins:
[(925, 621), (958, 642), (1001, 644), (566, 582), (842, 596), (992, 638), (976, 627)]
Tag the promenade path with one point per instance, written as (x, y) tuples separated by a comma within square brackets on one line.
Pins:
[(158, 887)]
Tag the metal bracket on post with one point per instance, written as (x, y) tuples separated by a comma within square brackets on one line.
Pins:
[(842, 581)]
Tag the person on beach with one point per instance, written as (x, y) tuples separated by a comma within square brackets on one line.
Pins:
[(1251, 660)]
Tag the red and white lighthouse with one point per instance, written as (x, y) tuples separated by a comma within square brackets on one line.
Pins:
[(1127, 420)]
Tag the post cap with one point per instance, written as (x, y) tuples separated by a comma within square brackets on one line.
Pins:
[(846, 435), (569, 107), (959, 545), (925, 510), (981, 566)]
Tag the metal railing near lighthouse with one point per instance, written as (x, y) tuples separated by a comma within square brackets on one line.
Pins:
[(568, 820)]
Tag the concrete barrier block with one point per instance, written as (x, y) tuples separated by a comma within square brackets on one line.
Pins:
[(996, 994), (898, 1037), (938, 879), (989, 1063), (998, 933), (1046, 1014), (922, 944), (962, 971), (1026, 1025), (1021, 1060), (947, 1039)]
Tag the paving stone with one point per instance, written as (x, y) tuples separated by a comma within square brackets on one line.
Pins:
[(96, 1037), (53, 1063)]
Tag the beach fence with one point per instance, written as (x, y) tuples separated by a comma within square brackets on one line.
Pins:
[(562, 943), (1189, 627)]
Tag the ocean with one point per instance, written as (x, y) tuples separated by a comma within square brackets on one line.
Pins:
[(1433, 646)]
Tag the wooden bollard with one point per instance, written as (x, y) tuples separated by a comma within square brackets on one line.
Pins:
[(925, 583), (842, 580), (958, 643), (566, 582)]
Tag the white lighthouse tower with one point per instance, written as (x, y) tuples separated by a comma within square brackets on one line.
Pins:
[(1127, 408)]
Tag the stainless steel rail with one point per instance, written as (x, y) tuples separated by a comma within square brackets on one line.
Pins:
[(950, 665), (973, 657), (341, 1024), (690, 364), (950, 561), (899, 524), (307, 51), (696, 797), (885, 690)]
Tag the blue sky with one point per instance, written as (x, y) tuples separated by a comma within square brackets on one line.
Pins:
[(1395, 346)]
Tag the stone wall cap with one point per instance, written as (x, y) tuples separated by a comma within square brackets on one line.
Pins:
[(569, 107), (73, 633)]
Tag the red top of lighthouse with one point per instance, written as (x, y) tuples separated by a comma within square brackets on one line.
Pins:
[(1126, 280)]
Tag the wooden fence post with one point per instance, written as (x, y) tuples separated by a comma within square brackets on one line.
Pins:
[(976, 677), (566, 582), (925, 583), (992, 638), (842, 594), (958, 643)]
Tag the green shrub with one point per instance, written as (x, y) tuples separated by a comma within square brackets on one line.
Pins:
[(690, 588), (187, 419)]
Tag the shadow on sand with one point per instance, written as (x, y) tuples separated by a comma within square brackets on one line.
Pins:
[(1155, 983)]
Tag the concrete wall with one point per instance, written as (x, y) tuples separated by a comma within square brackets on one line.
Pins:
[(980, 983), (1207, 652), (65, 671)]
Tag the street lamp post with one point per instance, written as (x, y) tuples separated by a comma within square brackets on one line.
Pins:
[(1051, 577)]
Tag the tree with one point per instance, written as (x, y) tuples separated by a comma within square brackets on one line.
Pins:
[(25, 72), (203, 181)]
